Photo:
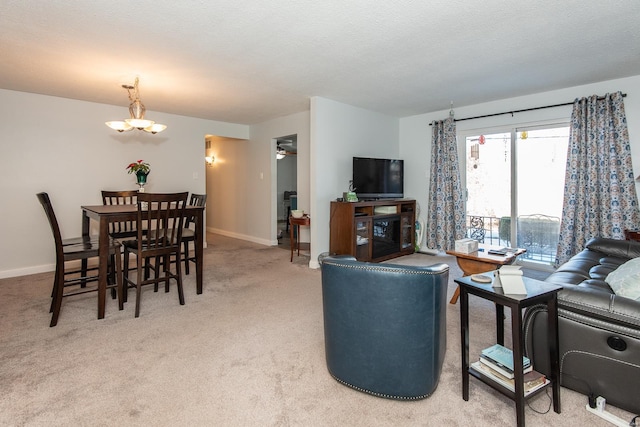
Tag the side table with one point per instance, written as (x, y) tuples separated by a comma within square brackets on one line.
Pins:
[(296, 223), (632, 235), (537, 293)]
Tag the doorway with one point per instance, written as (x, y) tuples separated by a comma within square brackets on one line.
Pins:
[(287, 184), (515, 187)]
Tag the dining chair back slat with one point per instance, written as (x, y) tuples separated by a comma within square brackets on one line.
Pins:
[(196, 200), (121, 229), (188, 234), (162, 216)]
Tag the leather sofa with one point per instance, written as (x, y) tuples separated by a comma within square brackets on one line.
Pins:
[(384, 326), (599, 331)]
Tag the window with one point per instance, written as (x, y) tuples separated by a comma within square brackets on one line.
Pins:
[(515, 187)]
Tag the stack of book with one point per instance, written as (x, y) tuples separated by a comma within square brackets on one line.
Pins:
[(496, 363)]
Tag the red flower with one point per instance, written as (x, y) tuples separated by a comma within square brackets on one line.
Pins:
[(139, 166)]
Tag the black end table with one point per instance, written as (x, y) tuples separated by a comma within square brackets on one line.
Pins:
[(537, 293)]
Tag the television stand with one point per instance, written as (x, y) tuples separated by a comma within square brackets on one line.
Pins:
[(374, 230)]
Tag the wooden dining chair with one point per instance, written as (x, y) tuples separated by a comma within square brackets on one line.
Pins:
[(69, 281), (189, 234), (122, 229), (162, 216)]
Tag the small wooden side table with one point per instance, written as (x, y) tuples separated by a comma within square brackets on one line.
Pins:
[(632, 235), (480, 262), (297, 222), (537, 293)]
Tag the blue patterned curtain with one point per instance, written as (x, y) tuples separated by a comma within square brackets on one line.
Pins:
[(446, 216), (600, 197)]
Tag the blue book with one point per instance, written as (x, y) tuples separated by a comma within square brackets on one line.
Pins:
[(503, 357)]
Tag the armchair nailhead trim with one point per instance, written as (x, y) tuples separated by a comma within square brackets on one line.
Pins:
[(389, 269), (386, 396)]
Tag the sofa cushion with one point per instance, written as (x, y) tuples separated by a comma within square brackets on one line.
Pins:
[(617, 248), (602, 270), (625, 280)]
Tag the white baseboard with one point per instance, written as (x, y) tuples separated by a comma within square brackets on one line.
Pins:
[(27, 271), (253, 239), (36, 269)]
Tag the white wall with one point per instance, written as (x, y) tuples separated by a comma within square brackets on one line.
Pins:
[(338, 133), (63, 147), (415, 132)]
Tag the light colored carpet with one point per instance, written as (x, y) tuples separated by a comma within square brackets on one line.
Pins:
[(249, 351)]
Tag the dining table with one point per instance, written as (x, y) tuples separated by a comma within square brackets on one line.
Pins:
[(107, 214)]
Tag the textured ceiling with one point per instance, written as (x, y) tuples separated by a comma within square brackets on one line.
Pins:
[(247, 61)]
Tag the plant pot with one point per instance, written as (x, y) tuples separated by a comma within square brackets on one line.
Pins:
[(141, 177)]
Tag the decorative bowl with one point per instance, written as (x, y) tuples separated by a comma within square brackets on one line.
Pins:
[(297, 213)]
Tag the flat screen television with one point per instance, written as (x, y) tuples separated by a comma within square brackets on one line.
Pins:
[(378, 178)]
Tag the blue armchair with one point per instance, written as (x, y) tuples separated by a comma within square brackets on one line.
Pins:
[(385, 326)]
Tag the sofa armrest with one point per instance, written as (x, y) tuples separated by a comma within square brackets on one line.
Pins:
[(600, 306), (614, 247)]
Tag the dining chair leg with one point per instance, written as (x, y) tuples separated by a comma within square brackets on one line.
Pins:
[(119, 281), (57, 298), (112, 275), (167, 269), (186, 257), (179, 280), (138, 287), (83, 268), (156, 270), (147, 271), (56, 283), (125, 276)]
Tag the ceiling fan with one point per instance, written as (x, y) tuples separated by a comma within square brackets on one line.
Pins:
[(281, 152)]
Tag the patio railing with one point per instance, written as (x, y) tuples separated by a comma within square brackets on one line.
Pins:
[(538, 234)]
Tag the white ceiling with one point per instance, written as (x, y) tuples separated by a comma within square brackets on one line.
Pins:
[(247, 61)]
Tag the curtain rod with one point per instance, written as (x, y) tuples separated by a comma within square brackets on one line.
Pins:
[(521, 111)]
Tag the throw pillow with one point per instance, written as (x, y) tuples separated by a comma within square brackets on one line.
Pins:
[(625, 280)]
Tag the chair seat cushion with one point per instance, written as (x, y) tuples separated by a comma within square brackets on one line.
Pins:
[(133, 245), (188, 233), (86, 248), (79, 240), (124, 234)]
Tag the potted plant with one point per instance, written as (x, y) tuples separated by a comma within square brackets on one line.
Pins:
[(141, 169)]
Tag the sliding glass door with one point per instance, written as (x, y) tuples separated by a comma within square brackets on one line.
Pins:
[(515, 186)]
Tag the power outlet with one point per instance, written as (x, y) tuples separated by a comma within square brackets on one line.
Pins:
[(600, 410)]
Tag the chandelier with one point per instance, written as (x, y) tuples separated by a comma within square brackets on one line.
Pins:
[(136, 110)]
